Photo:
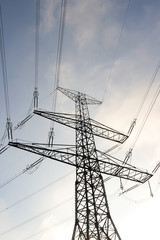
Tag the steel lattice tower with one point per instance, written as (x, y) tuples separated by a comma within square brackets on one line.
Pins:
[(93, 220), (92, 215)]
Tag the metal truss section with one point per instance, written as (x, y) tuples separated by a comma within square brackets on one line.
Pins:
[(68, 120), (115, 167), (74, 94), (107, 165), (98, 129), (123, 171), (111, 134), (64, 155)]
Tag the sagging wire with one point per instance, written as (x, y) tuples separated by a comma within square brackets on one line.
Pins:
[(48, 228), (19, 125), (36, 192), (146, 116), (36, 216), (36, 93), (5, 81), (57, 70), (27, 169), (117, 46), (151, 104), (145, 119), (34, 103), (148, 89), (3, 149)]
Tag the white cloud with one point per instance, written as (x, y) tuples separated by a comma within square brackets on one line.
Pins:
[(47, 224), (85, 18), (48, 15)]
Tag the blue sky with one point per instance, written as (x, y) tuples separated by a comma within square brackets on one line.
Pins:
[(93, 31)]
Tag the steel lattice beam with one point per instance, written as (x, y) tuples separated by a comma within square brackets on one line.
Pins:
[(107, 163), (73, 96), (98, 129)]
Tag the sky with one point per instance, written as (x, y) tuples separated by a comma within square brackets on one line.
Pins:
[(110, 51)]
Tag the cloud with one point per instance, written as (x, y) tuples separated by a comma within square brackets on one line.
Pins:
[(85, 16), (47, 224), (48, 15)]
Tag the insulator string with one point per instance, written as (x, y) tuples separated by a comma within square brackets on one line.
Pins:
[(57, 70)]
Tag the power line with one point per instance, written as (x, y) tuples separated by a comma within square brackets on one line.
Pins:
[(36, 216), (150, 106), (141, 105), (36, 93), (33, 193), (148, 89), (4, 70), (58, 63), (5, 81), (48, 228), (145, 119), (12, 178), (117, 45)]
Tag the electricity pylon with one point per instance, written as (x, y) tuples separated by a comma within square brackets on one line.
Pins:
[(92, 215)]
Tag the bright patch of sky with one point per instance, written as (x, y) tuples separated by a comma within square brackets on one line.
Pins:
[(106, 61)]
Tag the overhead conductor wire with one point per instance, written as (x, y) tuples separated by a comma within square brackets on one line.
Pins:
[(144, 121), (33, 193), (117, 46), (36, 93), (149, 108), (141, 106), (36, 216), (57, 70), (48, 228), (129, 153), (151, 104), (5, 82), (114, 59)]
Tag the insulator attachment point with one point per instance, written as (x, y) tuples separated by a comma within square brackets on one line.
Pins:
[(50, 137), (35, 95), (9, 126)]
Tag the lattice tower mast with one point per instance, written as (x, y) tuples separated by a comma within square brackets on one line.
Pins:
[(92, 215), (93, 220)]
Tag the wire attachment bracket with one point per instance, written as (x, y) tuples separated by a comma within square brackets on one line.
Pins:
[(9, 126), (51, 137), (35, 95)]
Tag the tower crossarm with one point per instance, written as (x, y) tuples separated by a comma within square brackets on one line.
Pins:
[(115, 167), (68, 120), (98, 129), (108, 165), (74, 96), (61, 153), (103, 131)]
